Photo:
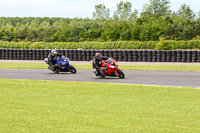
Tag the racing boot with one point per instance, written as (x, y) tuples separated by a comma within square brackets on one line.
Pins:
[(96, 72), (52, 67), (101, 72)]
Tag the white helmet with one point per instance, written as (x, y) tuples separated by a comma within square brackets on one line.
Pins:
[(54, 52)]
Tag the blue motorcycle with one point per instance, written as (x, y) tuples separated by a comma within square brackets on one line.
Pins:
[(62, 65)]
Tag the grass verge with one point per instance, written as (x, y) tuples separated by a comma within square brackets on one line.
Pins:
[(56, 106), (4, 65)]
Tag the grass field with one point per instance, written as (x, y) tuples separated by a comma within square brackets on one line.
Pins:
[(55, 106), (4, 65)]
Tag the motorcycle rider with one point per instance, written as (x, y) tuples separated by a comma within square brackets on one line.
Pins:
[(52, 57), (97, 60)]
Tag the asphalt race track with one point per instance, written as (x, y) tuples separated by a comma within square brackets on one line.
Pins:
[(161, 78)]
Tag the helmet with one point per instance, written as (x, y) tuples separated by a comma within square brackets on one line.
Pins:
[(54, 52), (98, 56)]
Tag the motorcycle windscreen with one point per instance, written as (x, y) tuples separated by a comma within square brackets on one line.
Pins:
[(65, 61), (110, 61)]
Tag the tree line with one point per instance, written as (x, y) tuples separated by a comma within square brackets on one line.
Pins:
[(156, 22)]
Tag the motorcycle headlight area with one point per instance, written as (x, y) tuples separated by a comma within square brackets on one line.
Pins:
[(64, 60), (112, 67)]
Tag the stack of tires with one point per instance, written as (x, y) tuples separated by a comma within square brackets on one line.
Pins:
[(154, 56), (115, 54), (194, 56), (135, 56), (144, 56), (130, 55), (10, 54), (119, 55), (164, 56), (46, 53), (79, 53), (3, 54), (125, 55), (149, 56), (179, 56), (140, 55), (184, 56), (92, 54), (71, 54), (110, 53), (88, 55), (83, 55), (174, 56), (106, 53), (169, 56), (189, 56), (159, 56), (198, 56), (67, 53)]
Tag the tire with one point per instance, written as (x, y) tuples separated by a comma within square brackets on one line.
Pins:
[(56, 71), (120, 74), (73, 69), (101, 76)]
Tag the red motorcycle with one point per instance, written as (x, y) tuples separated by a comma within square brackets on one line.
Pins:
[(110, 68)]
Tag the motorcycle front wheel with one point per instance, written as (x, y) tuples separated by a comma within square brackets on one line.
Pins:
[(73, 69), (120, 74)]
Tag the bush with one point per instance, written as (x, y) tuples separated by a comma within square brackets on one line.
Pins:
[(161, 45), (36, 45), (164, 45)]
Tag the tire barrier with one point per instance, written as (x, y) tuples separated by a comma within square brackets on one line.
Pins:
[(179, 56), (119, 55), (174, 56), (135, 56), (198, 56), (154, 56), (149, 56)]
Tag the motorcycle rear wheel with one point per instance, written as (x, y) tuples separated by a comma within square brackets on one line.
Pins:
[(56, 71), (101, 76)]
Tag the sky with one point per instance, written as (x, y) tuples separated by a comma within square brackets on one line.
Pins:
[(74, 8)]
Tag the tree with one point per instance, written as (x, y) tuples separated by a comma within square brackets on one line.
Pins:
[(135, 31), (156, 8), (9, 33), (101, 12), (45, 31), (124, 12), (185, 12), (198, 15), (22, 31), (125, 34), (111, 31)]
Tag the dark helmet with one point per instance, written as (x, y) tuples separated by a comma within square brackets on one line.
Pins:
[(54, 52), (98, 56)]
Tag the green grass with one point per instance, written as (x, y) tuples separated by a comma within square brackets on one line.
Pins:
[(4, 65), (56, 106)]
